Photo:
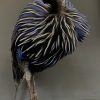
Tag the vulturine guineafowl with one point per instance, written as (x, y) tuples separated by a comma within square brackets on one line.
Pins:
[(46, 31)]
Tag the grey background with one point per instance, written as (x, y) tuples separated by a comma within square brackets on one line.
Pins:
[(76, 77)]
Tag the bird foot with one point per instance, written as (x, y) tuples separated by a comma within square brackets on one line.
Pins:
[(34, 97)]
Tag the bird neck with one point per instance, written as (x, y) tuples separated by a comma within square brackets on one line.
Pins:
[(55, 5)]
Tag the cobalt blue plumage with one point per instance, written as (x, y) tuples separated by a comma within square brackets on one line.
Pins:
[(20, 55), (46, 31)]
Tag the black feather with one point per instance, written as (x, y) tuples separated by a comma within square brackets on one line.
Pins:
[(45, 32)]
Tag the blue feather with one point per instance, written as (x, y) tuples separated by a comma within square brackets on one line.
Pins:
[(20, 55), (80, 34)]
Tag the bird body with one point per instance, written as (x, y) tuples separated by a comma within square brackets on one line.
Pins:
[(45, 32)]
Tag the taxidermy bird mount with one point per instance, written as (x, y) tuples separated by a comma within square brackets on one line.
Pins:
[(46, 31)]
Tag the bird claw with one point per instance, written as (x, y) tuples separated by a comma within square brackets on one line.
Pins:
[(34, 97)]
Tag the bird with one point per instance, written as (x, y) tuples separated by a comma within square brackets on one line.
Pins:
[(45, 32)]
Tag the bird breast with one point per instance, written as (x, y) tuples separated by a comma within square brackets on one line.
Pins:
[(43, 37)]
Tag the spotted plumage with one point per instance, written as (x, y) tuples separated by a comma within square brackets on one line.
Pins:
[(45, 32)]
